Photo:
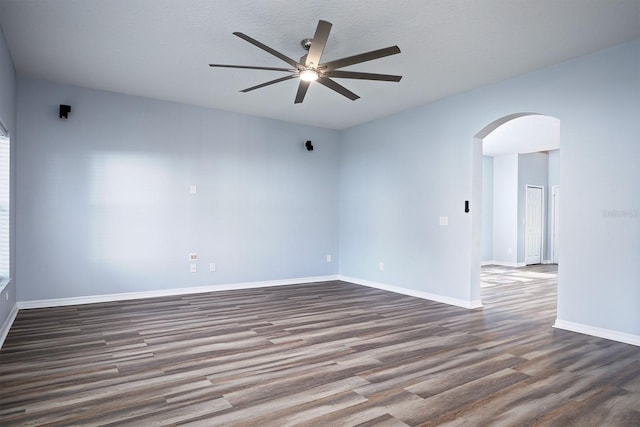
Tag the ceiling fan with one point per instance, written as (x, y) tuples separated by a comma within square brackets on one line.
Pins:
[(310, 69)]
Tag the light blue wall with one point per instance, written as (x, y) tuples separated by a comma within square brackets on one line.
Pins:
[(533, 169), (554, 179), (554, 167), (400, 173), (8, 117), (600, 267), (104, 202), (398, 176), (505, 209), (487, 209)]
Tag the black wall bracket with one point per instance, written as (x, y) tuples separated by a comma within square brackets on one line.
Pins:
[(308, 145), (64, 111)]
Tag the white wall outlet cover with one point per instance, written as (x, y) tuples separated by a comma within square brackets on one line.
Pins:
[(381, 266), (193, 189), (193, 256), (444, 220), (212, 266), (194, 268), (328, 258)]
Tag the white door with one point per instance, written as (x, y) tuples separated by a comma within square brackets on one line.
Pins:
[(555, 230), (533, 225)]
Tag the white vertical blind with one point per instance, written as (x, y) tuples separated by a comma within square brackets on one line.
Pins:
[(4, 201)]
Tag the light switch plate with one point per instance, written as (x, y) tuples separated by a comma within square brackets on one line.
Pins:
[(444, 220)]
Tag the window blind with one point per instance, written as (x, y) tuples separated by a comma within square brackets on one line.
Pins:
[(4, 200)]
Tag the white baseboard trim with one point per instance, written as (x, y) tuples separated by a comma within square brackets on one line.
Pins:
[(91, 299), (483, 263), (598, 332), (413, 293), (6, 326), (509, 264), (547, 261)]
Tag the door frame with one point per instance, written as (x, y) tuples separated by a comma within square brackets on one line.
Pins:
[(526, 210), (553, 224)]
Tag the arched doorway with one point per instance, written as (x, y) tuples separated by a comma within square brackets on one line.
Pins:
[(521, 141)]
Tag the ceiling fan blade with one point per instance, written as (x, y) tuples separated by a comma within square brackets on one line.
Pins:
[(266, 48), (250, 67), (281, 79), (318, 43), (337, 87), (339, 74), (356, 59), (302, 91)]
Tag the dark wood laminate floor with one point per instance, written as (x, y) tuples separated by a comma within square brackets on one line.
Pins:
[(327, 354)]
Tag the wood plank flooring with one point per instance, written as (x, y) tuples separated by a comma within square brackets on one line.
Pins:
[(325, 354)]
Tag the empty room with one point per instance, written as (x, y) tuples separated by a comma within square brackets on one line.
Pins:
[(320, 213)]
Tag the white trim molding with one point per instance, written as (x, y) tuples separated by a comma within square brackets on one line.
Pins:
[(91, 299), (598, 332), (509, 264), (6, 326), (413, 293)]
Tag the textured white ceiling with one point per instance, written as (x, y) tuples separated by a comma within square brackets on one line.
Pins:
[(161, 48)]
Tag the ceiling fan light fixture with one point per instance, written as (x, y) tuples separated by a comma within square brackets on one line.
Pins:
[(309, 75), (310, 68)]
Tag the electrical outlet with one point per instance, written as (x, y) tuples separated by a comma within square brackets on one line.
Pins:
[(381, 266), (193, 189), (329, 258), (194, 268), (193, 257), (212, 266), (444, 220)]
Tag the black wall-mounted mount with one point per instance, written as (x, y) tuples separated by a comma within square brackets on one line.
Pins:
[(64, 111), (309, 145), (466, 206)]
